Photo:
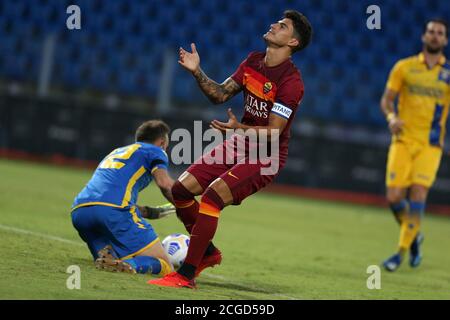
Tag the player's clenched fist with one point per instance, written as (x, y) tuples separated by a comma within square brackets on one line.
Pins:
[(396, 125), (191, 61)]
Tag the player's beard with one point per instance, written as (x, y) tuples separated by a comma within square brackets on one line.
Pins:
[(433, 50)]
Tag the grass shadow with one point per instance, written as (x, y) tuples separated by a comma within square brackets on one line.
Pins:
[(241, 288)]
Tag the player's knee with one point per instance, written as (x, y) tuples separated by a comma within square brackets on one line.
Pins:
[(418, 198), (191, 183), (418, 193), (182, 198), (221, 188), (394, 196), (181, 193), (212, 197)]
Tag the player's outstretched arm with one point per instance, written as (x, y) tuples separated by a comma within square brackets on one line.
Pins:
[(216, 93), (157, 212), (164, 182)]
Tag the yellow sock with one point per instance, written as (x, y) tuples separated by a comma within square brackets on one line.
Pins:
[(401, 216), (408, 230), (166, 268)]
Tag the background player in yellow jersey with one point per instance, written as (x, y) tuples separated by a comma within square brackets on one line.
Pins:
[(422, 85)]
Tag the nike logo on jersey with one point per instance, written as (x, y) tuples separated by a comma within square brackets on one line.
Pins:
[(230, 174)]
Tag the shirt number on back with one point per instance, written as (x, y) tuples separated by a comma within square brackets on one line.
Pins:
[(124, 153)]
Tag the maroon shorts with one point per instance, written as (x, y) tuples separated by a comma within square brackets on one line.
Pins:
[(243, 178)]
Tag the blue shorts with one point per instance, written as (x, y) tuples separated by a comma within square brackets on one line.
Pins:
[(124, 229)]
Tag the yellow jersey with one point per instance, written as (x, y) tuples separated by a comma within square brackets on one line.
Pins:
[(423, 101)]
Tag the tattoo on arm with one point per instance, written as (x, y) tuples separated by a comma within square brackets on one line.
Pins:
[(216, 93)]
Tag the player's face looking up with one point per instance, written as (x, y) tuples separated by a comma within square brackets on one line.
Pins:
[(281, 34), (435, 37)]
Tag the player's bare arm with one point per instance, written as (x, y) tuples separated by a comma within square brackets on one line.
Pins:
[(275, 123), (164, 182), (216, 93), (387, 107)]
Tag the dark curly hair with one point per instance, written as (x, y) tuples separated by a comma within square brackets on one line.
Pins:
[(302, 29)]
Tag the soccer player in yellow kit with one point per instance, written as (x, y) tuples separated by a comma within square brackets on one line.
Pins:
[(422, 85)]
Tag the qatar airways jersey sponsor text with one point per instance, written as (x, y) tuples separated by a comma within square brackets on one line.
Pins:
[(256, 107)]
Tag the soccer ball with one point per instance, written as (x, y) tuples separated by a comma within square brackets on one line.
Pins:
[(176, 246)]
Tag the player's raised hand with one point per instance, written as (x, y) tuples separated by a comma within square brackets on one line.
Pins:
[(396, 125), (232, 122), (190, 61)]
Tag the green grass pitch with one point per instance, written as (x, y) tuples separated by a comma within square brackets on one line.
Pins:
[(274, 247)]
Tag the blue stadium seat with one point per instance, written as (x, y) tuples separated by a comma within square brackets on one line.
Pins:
[(350, 110)]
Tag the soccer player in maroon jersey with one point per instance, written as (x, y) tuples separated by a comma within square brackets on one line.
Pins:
[(273, 89)]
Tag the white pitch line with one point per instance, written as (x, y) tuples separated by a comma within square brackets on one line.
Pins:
[(41, 235), (77, 243)]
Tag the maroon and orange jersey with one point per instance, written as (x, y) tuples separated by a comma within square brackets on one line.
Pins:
[(267, 90)]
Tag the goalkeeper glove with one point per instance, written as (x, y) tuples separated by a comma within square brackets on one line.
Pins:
[(160, 211)]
